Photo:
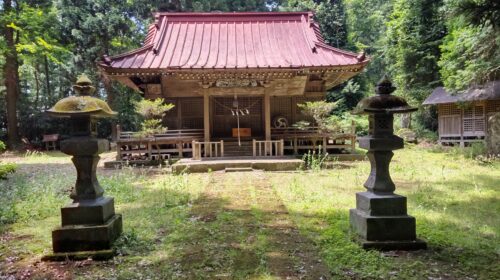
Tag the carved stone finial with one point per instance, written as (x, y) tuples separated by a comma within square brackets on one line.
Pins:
[(83, 86), (384, 86)]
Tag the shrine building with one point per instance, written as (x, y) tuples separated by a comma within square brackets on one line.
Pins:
[(235, 78)]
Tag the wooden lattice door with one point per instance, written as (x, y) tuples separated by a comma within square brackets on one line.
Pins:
[(223, 120), (474, 120)]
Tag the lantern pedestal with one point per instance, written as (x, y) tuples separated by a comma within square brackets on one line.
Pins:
[(380, 219), (381, 222), (89, 224)]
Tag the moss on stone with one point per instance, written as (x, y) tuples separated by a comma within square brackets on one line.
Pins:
[(82, 104)]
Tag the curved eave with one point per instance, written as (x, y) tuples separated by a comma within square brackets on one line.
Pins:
[(173, 70), (130, 53)]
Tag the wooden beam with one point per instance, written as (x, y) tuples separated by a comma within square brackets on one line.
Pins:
[(206, 115), (267, 114)]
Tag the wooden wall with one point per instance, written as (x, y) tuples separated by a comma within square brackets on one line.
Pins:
[(187, 96), (467, 120), (188, 112)]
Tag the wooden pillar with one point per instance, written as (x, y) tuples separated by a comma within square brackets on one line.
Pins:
[(267, 114), (206, 115)]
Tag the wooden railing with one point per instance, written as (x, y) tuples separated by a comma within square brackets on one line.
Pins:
[(133, 146), (165, 135), (207, 149), (269, 148), (312, 137)]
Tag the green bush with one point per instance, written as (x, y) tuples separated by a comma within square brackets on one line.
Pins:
[(7, 168), (475, 150), (152, 111), (425, 134), (320, 111), (360, 121)]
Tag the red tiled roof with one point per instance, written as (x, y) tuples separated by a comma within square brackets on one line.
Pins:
[(233, 40)]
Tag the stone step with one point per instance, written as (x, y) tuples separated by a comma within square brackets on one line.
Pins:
[(238, 154), (238, 150), (236, 146), (238, 169)]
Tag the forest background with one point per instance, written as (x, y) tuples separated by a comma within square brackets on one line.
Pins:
[(421, 44)]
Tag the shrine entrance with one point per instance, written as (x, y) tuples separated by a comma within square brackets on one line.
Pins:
[(224, 117)]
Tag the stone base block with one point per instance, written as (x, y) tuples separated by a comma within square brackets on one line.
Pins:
[(393, 245), (381, 204), (381, 222), (76, 256), (76, 238), (382, 228), (88, 212)]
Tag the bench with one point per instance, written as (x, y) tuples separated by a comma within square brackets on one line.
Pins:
[(50, 141)]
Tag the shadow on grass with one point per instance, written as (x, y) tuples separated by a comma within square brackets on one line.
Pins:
[(172, 234), (453, 252), (211, 238)]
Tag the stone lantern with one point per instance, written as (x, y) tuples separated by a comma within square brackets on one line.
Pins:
[(89, 223), (380, 218)]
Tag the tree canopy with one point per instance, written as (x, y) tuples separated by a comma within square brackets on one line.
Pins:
[(422, 44)]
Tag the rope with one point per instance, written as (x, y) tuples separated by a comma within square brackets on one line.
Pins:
[(237, 115), (231, 108)]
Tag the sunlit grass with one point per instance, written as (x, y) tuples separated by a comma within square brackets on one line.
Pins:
[(212, 225), (455, 200)]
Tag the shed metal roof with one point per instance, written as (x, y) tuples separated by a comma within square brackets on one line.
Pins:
[(234, 41), (489, 91)]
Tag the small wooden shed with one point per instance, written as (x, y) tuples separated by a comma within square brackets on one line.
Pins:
[(463, 117)]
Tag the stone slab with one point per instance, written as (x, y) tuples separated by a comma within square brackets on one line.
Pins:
[(88, 212), (268, 164), (101, 255), (393, 245), (87, 238), (381, 204), (238, 169), (117, 164), (347, 157), (383, 228)]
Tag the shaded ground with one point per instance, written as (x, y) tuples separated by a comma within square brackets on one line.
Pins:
[(256, 228), (258, 225), (237, 228)]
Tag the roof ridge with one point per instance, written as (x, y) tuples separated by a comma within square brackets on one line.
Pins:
[(212, 14), (275, 40), (143, 48)]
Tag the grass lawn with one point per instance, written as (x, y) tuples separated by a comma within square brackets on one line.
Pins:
[(258, 225)]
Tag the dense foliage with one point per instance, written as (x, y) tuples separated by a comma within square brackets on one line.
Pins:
[(422, 44), (321, 113)]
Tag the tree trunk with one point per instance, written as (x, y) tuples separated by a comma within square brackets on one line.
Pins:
[(10, 70), (37, 88), (47, 80)]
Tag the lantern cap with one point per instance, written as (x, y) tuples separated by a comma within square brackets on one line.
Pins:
[(82, 104), (383, 101)]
